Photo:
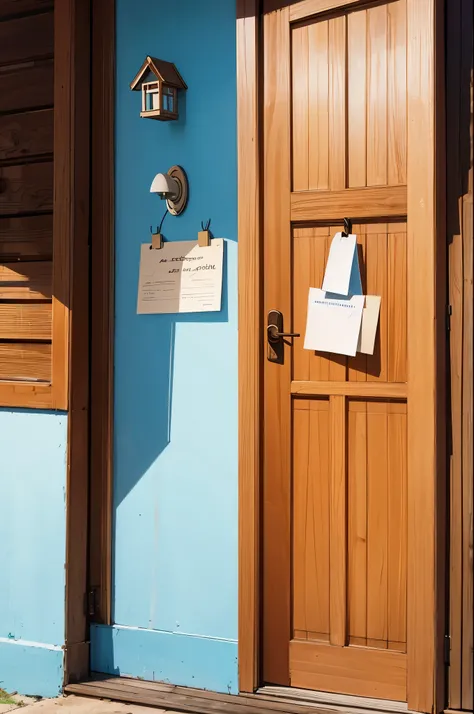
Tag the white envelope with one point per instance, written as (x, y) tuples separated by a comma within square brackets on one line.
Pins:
[(333, 323)]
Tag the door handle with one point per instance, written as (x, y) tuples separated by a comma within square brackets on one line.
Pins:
[(276, 336), (275, 332)]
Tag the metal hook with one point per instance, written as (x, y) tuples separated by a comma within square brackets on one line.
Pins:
[(347, 227), (206, 226)]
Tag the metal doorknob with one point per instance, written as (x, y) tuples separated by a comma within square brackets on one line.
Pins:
[(275, 332), (274, 335)]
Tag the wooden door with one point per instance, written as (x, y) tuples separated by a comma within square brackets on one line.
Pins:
[(349, 490)]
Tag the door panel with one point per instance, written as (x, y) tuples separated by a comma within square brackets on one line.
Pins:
[(383, 260), (336, 489), (362, 56)]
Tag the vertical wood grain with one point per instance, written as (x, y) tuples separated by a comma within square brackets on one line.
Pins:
[(300, 106), (277, 294), (357, 98), (71, 305), (249, 340), (397, 525), (64, 86), (102, 316), (337, 522), (468, 361), (337, 103), (397, 305), (459, 34), (357, 522), (422, 110), (377, 96), (468, 419), (377, 517), (318, 148), (309, 261), (377, 280), (396, 93), (311, 472)]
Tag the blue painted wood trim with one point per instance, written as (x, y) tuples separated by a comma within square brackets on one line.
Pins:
[(186, 660), (31, 668)]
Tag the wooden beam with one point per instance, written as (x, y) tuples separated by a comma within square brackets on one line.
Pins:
[(72, 31), (307, 8), (102, 296), (425, 438), (337, 524), (355, 203), (384, 390), (248, 20)]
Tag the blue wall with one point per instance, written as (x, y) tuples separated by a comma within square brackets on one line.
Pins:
[(175, 533), (32, 549)]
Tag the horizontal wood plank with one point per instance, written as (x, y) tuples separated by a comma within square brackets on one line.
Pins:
[(355, 203), (353, 670), (26, 281), (186, 699), (25, 321), (26, 188), (309, 8), (25, 135), (25, 361), (14, 8), (28, 86), (26, 238), (30, 395), (387, 390), (26, 38)]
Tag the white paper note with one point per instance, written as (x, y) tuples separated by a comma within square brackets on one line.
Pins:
[(333, 324), (368, 330), (180, 277), (339, 265)]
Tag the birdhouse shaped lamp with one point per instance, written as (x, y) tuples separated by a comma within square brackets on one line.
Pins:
[(159, 82)]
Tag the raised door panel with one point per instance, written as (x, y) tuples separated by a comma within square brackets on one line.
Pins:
[(349, 100)]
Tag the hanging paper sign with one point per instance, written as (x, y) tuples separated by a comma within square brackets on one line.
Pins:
[(333, 323), (342, 265), (180, 277)]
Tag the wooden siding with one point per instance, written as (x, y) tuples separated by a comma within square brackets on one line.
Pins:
[(26, 192), (459, 91)]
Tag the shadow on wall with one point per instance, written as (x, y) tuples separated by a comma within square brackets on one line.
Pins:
[(149, 430)]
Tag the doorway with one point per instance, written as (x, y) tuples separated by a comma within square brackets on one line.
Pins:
[(352, 449)]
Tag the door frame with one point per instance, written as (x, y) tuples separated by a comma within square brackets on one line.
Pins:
[(89, 480), (427, 354)]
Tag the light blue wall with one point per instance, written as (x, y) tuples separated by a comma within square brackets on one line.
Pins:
[(175, 535), (32, 549)]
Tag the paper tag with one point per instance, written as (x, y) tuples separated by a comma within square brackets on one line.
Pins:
[(370, 320), (333, 324), (340, 263)]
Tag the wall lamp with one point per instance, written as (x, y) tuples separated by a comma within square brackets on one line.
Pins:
[(173, 188)]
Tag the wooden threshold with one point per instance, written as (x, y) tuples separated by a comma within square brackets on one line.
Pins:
[(344, 701), (281, 700), (184, 699)]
